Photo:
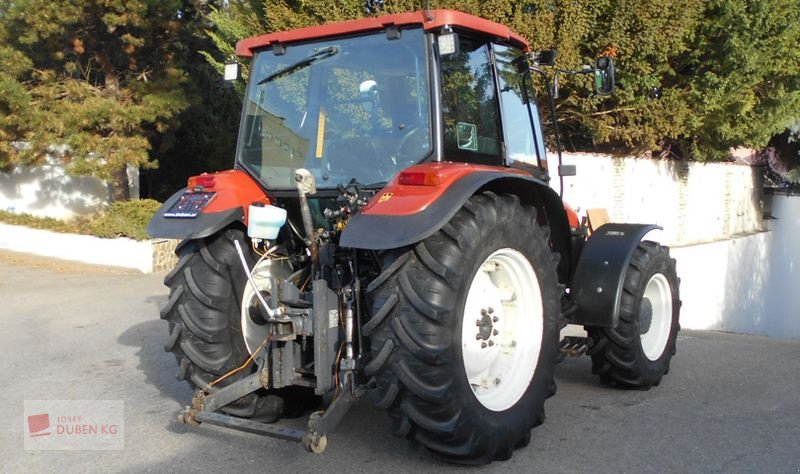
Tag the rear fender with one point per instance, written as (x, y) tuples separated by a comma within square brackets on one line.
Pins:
[(597, 284), (402, 215), (234, 191)]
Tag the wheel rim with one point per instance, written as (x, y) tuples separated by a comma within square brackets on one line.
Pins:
[(252, 332), (501, 330), (655, 316)]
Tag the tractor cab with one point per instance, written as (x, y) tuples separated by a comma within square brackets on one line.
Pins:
[(366, 99)]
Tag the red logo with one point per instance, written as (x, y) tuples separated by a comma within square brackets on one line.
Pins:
[(37, 424)]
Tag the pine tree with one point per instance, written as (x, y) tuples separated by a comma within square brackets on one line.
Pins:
[(742, 71), (91, 80)]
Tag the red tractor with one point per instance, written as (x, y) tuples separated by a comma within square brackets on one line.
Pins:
[(388, 233)]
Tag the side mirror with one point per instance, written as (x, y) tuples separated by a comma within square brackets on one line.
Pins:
[(604, 76), (544, 58)]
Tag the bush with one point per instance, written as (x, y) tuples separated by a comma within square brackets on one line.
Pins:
[(125, 219), (76, 226), (122, 219)]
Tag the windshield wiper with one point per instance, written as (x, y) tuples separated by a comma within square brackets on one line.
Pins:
[(321, 54)]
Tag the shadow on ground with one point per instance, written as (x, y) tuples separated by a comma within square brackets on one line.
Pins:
[(157, 365)]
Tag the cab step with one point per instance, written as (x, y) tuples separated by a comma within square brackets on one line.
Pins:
[(574, 346)]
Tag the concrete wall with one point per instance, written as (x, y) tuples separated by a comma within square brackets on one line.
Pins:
[(694, 202), (749, 284), (739, 272), (146, 256), (48, 191)]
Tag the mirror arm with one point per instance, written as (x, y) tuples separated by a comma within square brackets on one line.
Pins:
[(552, 106), (555, 83)]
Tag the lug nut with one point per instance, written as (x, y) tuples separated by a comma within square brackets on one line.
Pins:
[(491, 343), (483, 345), (477, 336), (483, 312), (495, 332), (491, 310), (495, 319), (477, 322)]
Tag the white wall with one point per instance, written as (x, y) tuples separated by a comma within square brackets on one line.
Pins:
[(48, 191), (694, 202), (121, 252), (735, 277), (749, 284)]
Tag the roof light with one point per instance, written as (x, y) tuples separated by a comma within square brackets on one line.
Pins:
[(448, 42), (232, 71)]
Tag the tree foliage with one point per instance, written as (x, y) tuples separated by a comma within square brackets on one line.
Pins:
[(695, 77), (743, 73), (202, 137), (88, 80), (104, 84)]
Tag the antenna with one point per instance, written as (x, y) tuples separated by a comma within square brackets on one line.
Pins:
[(428, 15)]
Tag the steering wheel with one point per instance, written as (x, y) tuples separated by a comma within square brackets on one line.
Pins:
[(409, 145)]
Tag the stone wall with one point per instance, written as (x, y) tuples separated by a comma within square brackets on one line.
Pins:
[(164, 257)]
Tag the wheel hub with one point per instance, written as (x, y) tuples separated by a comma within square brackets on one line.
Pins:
[(255, 328), (256, 312), (655, 316), (486, 325), (645, 315)]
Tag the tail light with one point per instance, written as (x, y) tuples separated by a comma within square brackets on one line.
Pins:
[(418, 178), (201, 182)]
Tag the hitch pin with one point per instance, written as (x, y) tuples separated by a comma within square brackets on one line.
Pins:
[(272, 313)]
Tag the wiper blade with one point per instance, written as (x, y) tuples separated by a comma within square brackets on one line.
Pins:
[(321, 54)]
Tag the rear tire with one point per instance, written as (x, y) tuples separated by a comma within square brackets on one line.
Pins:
[(427, 332), (204, 316), (637, 353)]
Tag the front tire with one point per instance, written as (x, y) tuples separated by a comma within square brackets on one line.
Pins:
[(637, 353), (464, 332)]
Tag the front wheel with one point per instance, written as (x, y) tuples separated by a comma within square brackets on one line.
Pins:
[(464, 332), (637, 353)]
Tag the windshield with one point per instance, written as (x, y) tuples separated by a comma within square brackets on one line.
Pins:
[(348, 108)]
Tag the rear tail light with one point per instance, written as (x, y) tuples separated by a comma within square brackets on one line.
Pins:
[(418, 178), (201, 182)]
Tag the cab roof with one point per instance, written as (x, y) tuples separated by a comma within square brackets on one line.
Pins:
[(429, 19)]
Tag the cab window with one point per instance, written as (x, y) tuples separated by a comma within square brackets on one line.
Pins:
[(469, 103), (521, 128)]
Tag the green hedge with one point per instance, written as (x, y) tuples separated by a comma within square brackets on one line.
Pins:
[(125, 219), (121, 219)]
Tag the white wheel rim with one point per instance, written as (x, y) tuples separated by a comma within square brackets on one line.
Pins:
[(501, 330), (252, 333), (655, 332)]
